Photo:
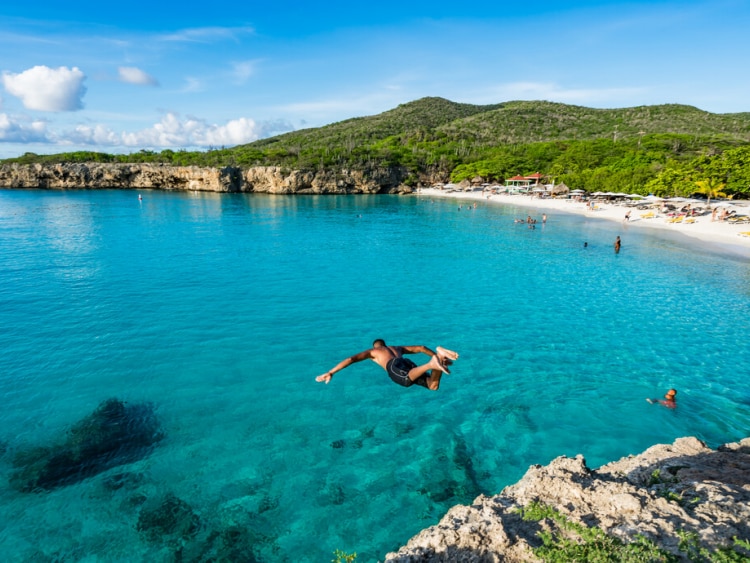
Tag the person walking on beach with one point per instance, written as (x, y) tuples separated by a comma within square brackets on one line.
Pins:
[(618, 243), (401, 370), (669, 400), (627, 217)]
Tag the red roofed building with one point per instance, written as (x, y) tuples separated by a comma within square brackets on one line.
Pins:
[(534, 178), (517, 181)]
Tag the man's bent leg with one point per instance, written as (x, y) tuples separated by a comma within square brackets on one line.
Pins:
[(433, 381), (433, 364)]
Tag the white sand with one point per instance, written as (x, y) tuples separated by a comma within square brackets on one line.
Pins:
[(726, 236)]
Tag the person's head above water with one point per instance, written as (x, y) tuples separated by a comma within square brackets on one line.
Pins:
[(670, 395), (378, 343)]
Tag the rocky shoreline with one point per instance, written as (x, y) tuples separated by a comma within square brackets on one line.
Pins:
[(663, 492), (259, 179)]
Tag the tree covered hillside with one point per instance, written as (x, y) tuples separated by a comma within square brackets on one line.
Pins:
[(662, 149)]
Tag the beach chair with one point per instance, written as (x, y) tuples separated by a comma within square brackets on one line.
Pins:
[(677, 219), (649, 215), (690, 220), (744, 234)]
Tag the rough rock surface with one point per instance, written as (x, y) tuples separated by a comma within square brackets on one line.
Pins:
[(262, 179), (668, 488)]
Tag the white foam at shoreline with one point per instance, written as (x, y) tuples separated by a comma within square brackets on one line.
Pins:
[(722, 235)]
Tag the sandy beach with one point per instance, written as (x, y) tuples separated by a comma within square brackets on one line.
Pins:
[(721, 233)]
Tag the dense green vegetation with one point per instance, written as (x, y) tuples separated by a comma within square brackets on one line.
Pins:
[(666, 149), (565, 540)]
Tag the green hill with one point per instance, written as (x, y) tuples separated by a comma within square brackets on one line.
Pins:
[(425, 114), (661, 148), (518, 122), (532, 122)]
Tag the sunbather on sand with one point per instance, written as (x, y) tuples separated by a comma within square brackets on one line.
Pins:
[(401, 370)]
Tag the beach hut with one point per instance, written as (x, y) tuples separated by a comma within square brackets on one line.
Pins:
[(560, 189), (517, 181), (534, 178)]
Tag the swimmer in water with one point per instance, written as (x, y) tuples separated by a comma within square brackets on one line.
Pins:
[(668, 401)]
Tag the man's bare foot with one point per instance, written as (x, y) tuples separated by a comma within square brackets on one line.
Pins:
[(436, 362), (445, 353)]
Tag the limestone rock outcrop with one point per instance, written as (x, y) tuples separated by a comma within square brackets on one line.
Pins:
[(261, 179), (684, 486)]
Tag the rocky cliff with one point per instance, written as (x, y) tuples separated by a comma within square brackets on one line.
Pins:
[(261, 179), (664, 492)]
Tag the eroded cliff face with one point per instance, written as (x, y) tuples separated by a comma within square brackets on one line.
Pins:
[(684, 486), (261, 179)]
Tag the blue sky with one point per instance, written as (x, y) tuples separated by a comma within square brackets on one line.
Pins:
[(117, 77)]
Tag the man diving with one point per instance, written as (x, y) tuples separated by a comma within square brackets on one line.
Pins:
[(400, 369)]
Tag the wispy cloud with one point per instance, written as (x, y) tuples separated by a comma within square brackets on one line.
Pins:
[(206, 34), (242, 71), (133, 75), (192, 85), (47, 89), (554, 92), (349, 107)]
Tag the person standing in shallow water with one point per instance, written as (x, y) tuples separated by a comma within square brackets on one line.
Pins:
[(618, 243), (401, 370)]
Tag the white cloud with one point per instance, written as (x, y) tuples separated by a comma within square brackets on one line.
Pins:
[(47, 89), (133, 75), (91, 135), (173, 131), (17, 131)]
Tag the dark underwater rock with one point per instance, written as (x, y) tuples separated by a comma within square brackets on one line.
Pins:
[(114, 434), (170, 521), (127, 480), (233, 543)]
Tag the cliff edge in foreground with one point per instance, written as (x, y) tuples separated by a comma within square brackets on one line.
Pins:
[(663, 493)]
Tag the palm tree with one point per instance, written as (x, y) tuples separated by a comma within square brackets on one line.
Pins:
[(712, 188)]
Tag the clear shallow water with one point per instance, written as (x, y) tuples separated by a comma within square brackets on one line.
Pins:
[(221, 309)]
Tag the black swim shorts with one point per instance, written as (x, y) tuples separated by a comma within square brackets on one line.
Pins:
[(398, 369)]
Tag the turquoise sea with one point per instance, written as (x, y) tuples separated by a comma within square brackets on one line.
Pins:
[(215, 312)]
